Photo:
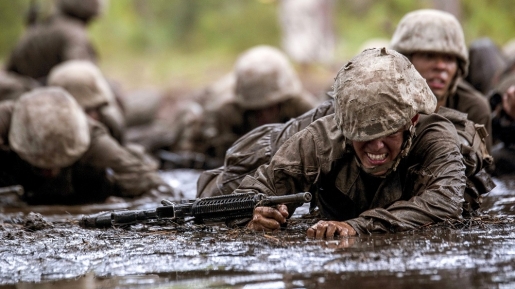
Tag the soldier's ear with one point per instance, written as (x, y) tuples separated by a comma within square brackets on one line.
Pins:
[(414, 119)]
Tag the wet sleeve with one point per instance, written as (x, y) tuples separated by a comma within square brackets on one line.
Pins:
[(437, 191), (294, 168), (130, 169)]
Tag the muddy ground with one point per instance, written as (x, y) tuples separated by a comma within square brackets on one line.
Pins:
[(44, 247)]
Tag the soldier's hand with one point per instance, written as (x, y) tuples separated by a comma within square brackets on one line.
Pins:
[(330, 229), (508, 101), (268, 218)]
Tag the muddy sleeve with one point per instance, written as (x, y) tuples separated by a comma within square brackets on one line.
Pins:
[(130, 169), (437, 189), (294, 168)]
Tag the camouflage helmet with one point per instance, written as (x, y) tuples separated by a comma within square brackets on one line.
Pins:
[(84, 81), (48, 128), (264, 77), (431, 31), (81, 9), (377, 93)]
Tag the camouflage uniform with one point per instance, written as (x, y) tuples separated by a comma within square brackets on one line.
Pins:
[(85, 82), (420, 187), (35, 135), (437, 31), (61, 37)]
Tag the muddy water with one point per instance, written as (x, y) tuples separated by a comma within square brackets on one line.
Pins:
[(47, 249)]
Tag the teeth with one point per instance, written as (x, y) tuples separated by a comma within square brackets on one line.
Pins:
[(376, 157)]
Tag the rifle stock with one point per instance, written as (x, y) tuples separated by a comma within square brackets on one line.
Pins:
[(205, 210)]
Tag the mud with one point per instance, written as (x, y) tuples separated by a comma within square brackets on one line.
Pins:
[(43, 247)]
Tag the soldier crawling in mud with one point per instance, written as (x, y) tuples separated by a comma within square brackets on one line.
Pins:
[(384, 162), (440, 57), (59, 155)]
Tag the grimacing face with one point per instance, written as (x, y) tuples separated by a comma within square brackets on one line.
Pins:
[(439, 69), (379, 151)]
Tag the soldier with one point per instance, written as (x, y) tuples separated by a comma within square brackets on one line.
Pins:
[(85, 82), (433, 40), (59, 155), (486, 59), (267, 90), (502, 101), (376, 164), (61, 37)]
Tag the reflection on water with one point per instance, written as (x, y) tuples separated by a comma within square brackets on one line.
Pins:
[(475, 254)]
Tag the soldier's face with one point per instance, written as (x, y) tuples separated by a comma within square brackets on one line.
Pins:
[(379, 151), (439, 69)]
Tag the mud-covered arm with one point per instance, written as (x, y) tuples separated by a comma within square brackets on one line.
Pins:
[(132, 171), (298, 163), (438, 177)]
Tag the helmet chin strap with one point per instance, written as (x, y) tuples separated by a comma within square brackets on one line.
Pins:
[(392, 165)]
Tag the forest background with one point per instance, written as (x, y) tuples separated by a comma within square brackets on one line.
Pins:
[(181, 45)]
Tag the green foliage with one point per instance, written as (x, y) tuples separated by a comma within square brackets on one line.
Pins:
[(12, 23)]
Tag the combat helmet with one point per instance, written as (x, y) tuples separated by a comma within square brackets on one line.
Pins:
[(264, 77), (81, 9), (84, 81), (377, 93), (432, 31), (48, 128)]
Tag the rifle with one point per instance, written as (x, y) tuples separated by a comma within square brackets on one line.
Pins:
[(205, 210)]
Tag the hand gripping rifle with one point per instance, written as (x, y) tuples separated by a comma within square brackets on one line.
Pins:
[(205, 210)]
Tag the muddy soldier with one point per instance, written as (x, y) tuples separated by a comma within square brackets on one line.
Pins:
[(61, 37), (59, 155), (434, 42), (441, 58), (383, 162)]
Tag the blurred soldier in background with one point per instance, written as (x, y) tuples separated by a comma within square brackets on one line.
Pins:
[(486, 59), (434, 42), (85, 82), (59, 155), (502, 101), (12, 85), (51, 41), (263, 88)]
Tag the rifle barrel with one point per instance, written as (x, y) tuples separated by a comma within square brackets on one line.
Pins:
[(303, 197)]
